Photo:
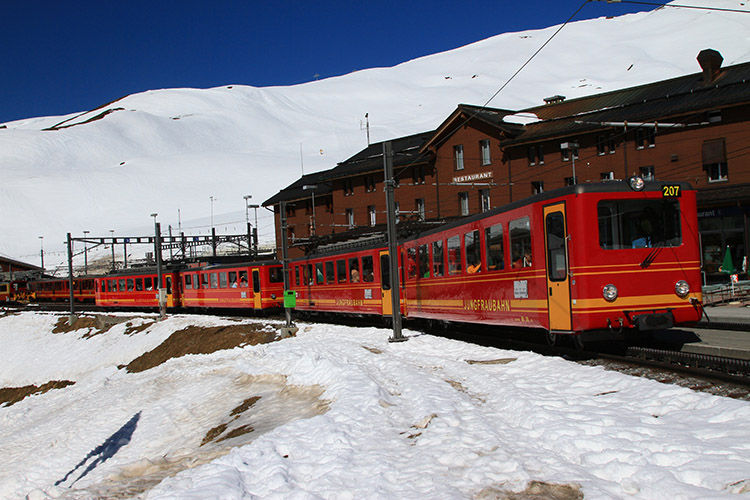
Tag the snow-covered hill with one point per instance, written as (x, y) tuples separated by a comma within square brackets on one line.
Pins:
[(169, 151)]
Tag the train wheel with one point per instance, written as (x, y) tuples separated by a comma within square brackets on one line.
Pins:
[(551, 339), (578, 342)]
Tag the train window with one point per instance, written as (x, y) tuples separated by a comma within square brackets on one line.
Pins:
[(139, 284), (437, 258), (223, 280), (214, 280), (308, 274), (473, 252), (122, 285), (411, 262), (454, 255), (188, 282), (520, 242), (493, 240), (204, 280), (168, 281), (319, 273), (341, 270), (385, 271), (296, 275), (354, 270), (276, 274), (424, 261), (232, 279), (639, 223), (4, 288), (243, 279), (368, 269), (330, 275), (149, 284), (111, 285), (557, 268)]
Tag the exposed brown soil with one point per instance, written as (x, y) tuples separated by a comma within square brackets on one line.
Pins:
[(12, 395), (213, 434), (201, 340), (536, 490)]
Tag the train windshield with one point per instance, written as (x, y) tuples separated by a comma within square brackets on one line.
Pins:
[(639, 223)]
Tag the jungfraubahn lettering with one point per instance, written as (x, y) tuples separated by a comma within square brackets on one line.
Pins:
[(487, 305)]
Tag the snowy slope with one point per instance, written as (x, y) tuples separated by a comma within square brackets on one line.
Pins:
[(164, 150), (339, 412)]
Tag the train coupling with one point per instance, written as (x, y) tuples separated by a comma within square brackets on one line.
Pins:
[(651, 319)]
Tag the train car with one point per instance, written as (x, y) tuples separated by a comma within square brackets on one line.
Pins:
[(138, 289), (586, 258), (254, 285), (345, 282), (13, 291), (58, 289)]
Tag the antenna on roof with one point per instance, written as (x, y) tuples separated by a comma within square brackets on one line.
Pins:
[(367, 126)]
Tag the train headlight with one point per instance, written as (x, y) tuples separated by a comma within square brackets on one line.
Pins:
[(273, 296), (682, 289), (610, 293), (637, 183)]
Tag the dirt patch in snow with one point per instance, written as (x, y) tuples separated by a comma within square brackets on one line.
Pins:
[(536, 490), (12, 395), (202, 340)]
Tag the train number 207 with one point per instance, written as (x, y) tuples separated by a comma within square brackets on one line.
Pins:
[(670, 191)]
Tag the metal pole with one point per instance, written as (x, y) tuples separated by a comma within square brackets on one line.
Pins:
[(157, 251), (285, 261), (70, 281), (85, 254), (41, 252), (255, 232), (112, 232), (392, 246)]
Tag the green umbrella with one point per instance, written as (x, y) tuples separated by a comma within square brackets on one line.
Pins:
[(727, 266)]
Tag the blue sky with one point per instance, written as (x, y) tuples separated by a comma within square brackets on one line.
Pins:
[(60, 57)]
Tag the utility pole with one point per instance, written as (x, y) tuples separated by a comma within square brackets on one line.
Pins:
[(161, 295), (85, 253), (392, 246), (72, 317)]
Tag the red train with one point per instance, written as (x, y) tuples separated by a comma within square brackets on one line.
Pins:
[(58, 289), (258, 286), (589, 258), (585, 258)]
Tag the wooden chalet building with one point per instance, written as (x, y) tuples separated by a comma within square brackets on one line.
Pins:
[(692, 128), (13, 269)]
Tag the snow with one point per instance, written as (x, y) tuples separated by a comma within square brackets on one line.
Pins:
[(339, 412), (167, 151)]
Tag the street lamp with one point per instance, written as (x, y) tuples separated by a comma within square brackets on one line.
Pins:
[(573, 148), (41, 252), (312, 188), (255, 229), (112, 232), (212, 212), (85, 253)]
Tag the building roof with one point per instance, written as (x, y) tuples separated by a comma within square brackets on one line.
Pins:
[(466, 112), (22, 266), (406, 151), (684, 98), (296, 190)]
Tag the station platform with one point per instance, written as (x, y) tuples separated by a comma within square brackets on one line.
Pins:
[(726, 333)]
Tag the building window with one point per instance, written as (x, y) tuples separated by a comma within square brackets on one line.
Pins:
[(348, 187), (571, 181), (601, 145), (417, 174), (540, 154), (370, 183), (372, 215), (566, 152), (647, 173), (611, 143), (419, 206), (329, 204), (308, 207), (645, 137), (484, 150), (715, 160), (463, 201), (537, 187), (532, 156), (350, 217), (608, 176), (458, 156), (290, 210), (484, 199), (714, 116)]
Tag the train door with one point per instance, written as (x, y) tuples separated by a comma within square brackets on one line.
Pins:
[(558, 279), (168, 286), (257, 302), (385, 282)]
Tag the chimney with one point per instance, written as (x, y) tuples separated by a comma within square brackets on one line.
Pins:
[(554, 99), (710, 61)]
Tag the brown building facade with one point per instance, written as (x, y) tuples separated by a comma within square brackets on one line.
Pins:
[(692, 128)]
